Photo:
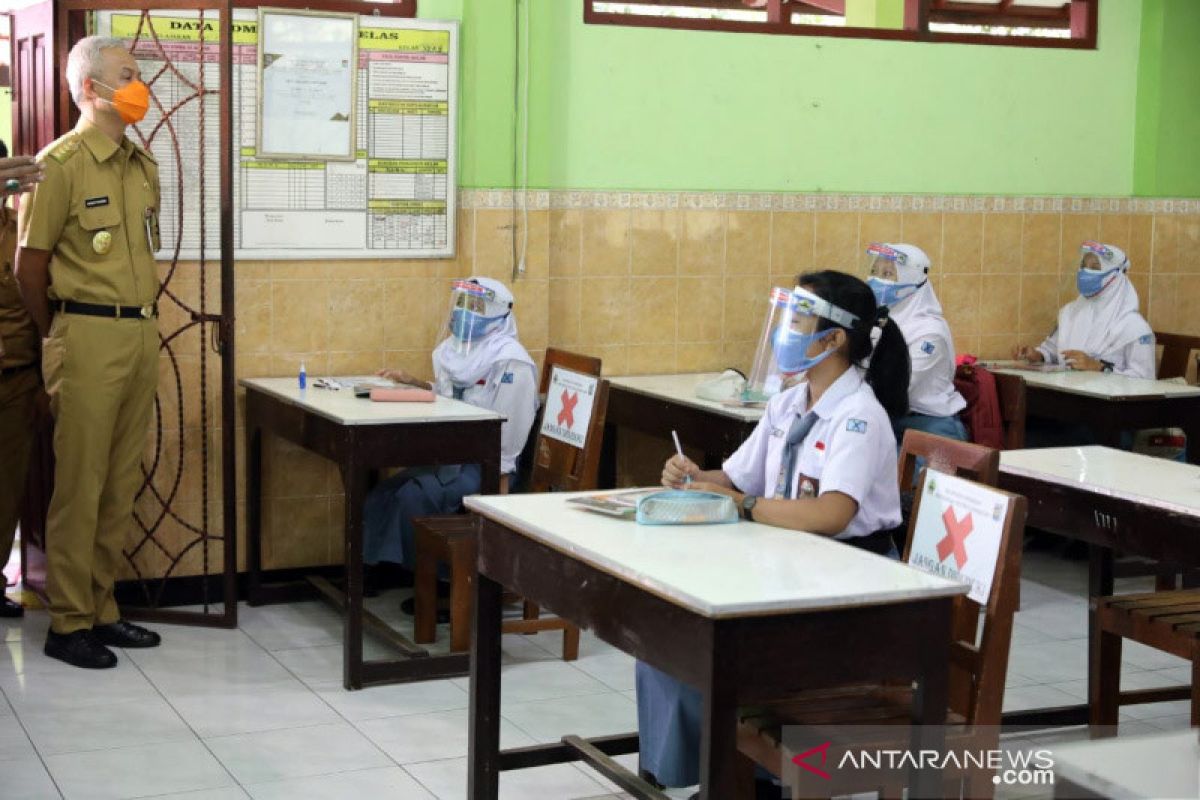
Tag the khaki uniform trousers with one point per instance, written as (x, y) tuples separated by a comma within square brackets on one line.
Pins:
[(101, 375), (18, 392)]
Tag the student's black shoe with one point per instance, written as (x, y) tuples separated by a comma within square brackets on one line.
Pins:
[(126, 634), (409, 606), (11, 609), (79, 649)]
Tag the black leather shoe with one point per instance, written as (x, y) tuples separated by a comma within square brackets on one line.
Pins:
[(79, 649), (409, 606), (10, 608), (126, 634)]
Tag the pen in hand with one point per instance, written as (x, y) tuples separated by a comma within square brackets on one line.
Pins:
[(682, 457)]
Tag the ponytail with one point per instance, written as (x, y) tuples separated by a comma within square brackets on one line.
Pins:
[(888, 368)]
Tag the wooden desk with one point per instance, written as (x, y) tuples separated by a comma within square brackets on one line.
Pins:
[(658, 404), (1112, 500), (744, 612), (1110, 404), (361, 436), (1165, 765)]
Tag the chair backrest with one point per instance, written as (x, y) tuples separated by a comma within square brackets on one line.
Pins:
[(1011, 392), (1176, 349), (559, 466), (963, 459), (978, 670)]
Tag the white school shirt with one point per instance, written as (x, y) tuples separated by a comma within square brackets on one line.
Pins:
[(931, 390), (510, 389), (1136, 359), (851, 449)]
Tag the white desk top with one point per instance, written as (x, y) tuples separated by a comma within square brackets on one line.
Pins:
[(1164, 766), (343, 407), (1101, 384), (682, 389), (741, 569), (1142, 479)]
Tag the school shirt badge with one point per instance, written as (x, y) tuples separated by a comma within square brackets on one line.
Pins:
[(856, 425), (102, 242), (927, 348)]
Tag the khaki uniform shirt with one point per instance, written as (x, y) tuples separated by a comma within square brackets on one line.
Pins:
[(96, 211), (18, 334)]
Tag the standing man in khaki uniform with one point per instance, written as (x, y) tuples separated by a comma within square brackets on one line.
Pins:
[(20, 382), (87, 274)]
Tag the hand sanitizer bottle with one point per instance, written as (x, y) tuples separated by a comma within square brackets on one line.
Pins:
[(303, 376)]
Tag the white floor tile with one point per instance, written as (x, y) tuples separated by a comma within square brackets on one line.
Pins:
[(137, 771), (71, 687), (286, 626), (228, 793), (542, 680), (432, 737), (395, 700), (1036, 697), (241, 668), (296, 753), (371, 783), (589, 644), (26, 778), (246, 709), (1149, 657), (586, 716), (14, 742), (614, 669), (1178, 722), (448, 781), (72, 730), (323, 664)]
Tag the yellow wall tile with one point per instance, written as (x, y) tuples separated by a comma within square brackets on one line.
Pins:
[(1116, 229), (253, 331), (745, 306), (614, 358), (836, 241), (1141, 243), (355, 316), (962, 243), (300, 316), (700, 357), (414, 310), (701, 306), (1041, 243), (878, 226), (651, 359), (1166, 244), (531, 299), (464, 246), (1077, 229), (1189, 244), (563, 312), (361, 362), (536, 244), (1001, 243), (565, 237), (605, 243), (1163, 303), (960, 298), (1000, 304), (926, 231), (748, 243), (1039, 306), (739, 355), (1001, 345), (792, 241), (702, 243), (605, 316), (654, 242), (297, 532), (652, 310), (1187, 308)]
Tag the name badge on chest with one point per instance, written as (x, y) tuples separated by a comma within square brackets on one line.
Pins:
[(102, 242)]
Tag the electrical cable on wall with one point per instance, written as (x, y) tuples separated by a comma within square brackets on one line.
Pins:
[(521, 136)]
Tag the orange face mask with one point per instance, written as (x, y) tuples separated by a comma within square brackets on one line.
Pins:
[(131, 101)]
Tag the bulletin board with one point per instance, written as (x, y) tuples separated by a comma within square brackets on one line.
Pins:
[(395, 200)]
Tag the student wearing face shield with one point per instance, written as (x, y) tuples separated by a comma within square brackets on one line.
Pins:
[(898, 274), (822, 459), (1101, 330), (481, 362)]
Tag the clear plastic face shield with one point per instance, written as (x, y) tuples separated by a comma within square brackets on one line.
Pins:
[(474, 313), (790, 330), (1099, 266), (882, 272)]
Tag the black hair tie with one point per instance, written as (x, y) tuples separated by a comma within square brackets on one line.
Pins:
[(881, 317)]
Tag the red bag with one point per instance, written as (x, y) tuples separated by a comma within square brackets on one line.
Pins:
[(981, 417)]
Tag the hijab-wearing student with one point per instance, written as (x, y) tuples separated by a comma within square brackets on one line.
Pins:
[(899, 276), (822, 460), (482, 363), (1101, 330)]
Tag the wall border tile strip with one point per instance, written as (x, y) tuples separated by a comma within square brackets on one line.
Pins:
[(729, 201)]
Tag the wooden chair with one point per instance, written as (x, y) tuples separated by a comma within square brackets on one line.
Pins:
[(962, 459), (1011, 390), (1176, 349), (977, 676), (1168, 621), (451, 540)]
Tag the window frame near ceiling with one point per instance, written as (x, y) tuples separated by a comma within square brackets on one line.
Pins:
[(1082, 18)]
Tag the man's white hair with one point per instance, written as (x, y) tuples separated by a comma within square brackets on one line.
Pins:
[(84, 60)]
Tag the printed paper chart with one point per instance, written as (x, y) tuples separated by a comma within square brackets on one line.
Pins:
[(397, 200)]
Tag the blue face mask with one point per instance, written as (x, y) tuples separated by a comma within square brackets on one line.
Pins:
[(1091, 282), (467, 325), (889, 293), (791, 350)]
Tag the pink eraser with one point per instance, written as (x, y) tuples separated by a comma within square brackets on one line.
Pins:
[(401, 394)]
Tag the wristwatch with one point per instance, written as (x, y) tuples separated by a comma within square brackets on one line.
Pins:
[(748, 503), (1106, 366)]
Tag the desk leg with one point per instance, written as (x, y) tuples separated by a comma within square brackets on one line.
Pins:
[(483, 758), (1190, 422), (606, 476), (718, 743), (254, 447), (354, 481), (932, 697), (1102, 650)]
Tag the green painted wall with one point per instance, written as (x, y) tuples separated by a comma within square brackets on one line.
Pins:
[(616, 107), (1167, 161)]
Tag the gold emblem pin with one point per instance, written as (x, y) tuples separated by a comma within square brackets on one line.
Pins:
[(102, 242)]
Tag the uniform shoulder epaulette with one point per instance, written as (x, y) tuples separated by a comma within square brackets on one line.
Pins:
[(146, 154), (62, 149)]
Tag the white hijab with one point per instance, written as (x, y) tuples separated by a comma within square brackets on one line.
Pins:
[(920, 314), (499, 344), (1105, 322)]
